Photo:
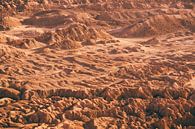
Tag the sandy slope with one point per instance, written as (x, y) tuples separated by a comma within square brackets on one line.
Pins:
[(62, 67)]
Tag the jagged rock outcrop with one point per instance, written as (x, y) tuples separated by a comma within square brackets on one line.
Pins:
[(10, 93), (27, 43), (66, 44)]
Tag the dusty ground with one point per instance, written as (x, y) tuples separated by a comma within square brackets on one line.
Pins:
[(113, 64)]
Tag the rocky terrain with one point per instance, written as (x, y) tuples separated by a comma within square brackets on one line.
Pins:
[(97, 64)]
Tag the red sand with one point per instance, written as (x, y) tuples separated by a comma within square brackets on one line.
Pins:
[(97, 64)]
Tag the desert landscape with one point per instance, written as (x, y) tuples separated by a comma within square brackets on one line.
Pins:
[(97, 64)]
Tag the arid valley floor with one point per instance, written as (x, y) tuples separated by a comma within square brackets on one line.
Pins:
[(97, 64)]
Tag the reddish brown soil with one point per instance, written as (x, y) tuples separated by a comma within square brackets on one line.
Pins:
[(97, 64)]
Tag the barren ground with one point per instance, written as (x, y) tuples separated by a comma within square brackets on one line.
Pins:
[(97, 64)]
